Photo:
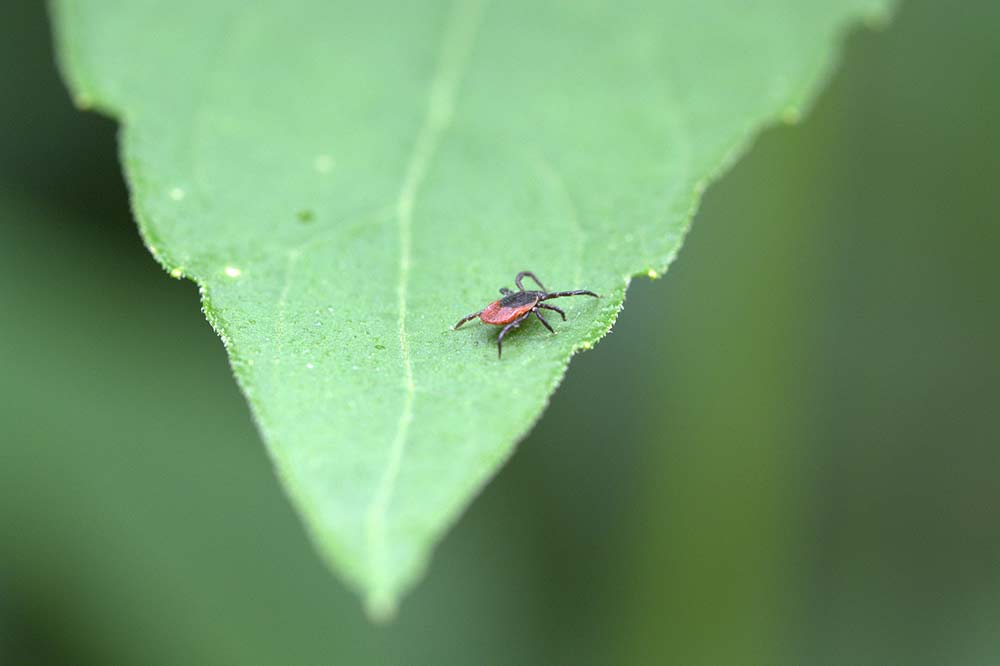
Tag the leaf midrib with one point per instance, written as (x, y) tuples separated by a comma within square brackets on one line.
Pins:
[(458, 37)]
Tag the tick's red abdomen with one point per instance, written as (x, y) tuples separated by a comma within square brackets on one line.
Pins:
[(509, 308), (498, 315)]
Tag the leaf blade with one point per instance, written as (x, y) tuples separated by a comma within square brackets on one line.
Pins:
[(340, 218)]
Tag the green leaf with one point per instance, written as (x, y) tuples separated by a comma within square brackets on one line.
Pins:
[(345, 180)]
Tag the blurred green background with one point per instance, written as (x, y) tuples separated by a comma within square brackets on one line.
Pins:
[(785, 453)]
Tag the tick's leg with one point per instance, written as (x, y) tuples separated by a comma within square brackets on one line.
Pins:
[(465, 319), (560, 294), (553, 308), (524, 274), (513, 324), (504, 291), (544, 323)]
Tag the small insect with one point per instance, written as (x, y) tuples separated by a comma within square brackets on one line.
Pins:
[(516, 306)]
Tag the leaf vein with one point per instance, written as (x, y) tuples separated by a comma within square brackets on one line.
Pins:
[(456, 45)]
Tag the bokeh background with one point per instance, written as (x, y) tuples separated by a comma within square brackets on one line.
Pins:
[(787, 451)]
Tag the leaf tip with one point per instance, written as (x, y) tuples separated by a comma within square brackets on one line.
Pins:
[(381, 606)]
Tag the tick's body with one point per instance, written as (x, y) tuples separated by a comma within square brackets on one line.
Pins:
[(510, 307), (516, 306)]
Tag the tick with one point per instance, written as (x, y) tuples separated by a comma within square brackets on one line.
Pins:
[(516, 306)]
